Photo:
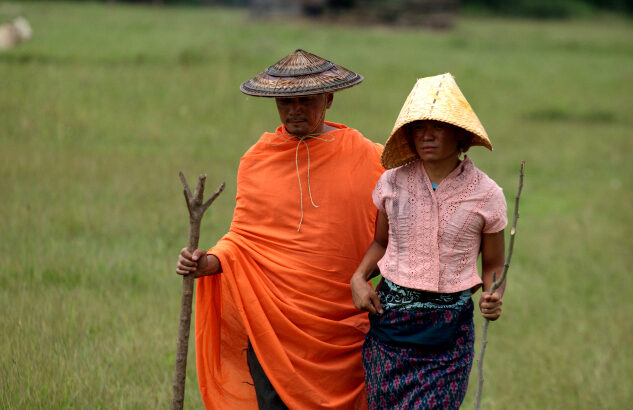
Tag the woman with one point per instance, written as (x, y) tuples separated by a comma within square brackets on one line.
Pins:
[(437, 212)]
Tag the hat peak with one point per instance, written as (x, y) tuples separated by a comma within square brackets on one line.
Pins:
[(299, 63)]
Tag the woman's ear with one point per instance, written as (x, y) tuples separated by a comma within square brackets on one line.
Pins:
[(464, 139)]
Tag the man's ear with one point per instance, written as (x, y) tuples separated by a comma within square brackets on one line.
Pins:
[(329, 97)]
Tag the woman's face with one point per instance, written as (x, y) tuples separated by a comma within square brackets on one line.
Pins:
[(434, 141)]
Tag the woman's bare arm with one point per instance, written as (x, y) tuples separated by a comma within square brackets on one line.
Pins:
[(492, 260), (364, 295)]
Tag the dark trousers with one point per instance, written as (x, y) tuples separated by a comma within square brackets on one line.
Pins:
[(267, 397)]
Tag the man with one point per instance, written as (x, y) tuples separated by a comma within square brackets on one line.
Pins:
[(278, 326)]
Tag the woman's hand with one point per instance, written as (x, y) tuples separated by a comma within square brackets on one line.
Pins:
[(490, 305), (364, 295)]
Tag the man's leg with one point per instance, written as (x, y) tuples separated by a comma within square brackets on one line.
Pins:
[(267, 397)]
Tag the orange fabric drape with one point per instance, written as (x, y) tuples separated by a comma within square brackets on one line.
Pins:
[(287, 290)]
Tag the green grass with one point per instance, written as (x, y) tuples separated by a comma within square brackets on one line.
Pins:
[(106, 104)]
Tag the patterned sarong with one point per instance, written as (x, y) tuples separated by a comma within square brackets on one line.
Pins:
[(425, 363)]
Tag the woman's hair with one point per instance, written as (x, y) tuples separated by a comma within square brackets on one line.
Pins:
[(464, 138)]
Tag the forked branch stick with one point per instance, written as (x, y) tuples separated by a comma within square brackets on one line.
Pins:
[(495, 285), (196, 208)]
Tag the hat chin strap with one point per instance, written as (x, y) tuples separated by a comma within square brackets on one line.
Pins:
[(313, 134), (302, 140), (321, 120)]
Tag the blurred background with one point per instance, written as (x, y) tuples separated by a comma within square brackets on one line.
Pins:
[(102, 103)]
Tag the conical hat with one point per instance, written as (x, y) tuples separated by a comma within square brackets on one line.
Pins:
[(432, 98), (300, 73)]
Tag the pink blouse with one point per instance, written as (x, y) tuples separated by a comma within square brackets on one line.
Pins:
[(435, 236)]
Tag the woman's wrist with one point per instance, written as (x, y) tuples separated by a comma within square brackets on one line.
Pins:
[(361, 275), (356, 276)]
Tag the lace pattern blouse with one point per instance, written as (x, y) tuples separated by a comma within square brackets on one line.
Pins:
[(435, 236)]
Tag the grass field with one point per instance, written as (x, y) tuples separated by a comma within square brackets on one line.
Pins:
[(106, 104)]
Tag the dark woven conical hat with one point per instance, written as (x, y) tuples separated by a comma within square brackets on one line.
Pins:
[(300, 73)]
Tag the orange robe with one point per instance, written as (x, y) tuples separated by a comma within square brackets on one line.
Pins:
[(287, 290)]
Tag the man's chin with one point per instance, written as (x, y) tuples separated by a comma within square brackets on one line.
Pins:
[(299, 131)]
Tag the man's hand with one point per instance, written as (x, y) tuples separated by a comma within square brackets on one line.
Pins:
[(195, 262), (364, 295), (490, 305)]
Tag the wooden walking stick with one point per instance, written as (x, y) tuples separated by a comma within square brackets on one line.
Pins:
[(196, 210), (493, 288)]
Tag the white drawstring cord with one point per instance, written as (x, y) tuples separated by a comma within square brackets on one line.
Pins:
[(300, 140)]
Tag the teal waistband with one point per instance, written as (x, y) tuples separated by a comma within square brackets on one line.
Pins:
[(394, 296)]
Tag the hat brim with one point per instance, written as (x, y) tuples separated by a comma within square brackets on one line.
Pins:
[(398, 150), (335, 79)]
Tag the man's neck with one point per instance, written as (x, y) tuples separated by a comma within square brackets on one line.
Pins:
[(319, 130), (327, 128)]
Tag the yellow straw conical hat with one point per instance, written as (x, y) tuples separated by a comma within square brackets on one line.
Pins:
[(435, 98)]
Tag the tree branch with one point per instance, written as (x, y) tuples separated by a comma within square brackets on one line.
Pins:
[(184, 183), (196, 211), (213, 197), (493, 288)]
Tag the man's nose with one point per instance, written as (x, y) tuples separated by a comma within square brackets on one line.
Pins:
[(295, 107)]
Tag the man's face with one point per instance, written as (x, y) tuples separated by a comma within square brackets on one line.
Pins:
[(304, 115)]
